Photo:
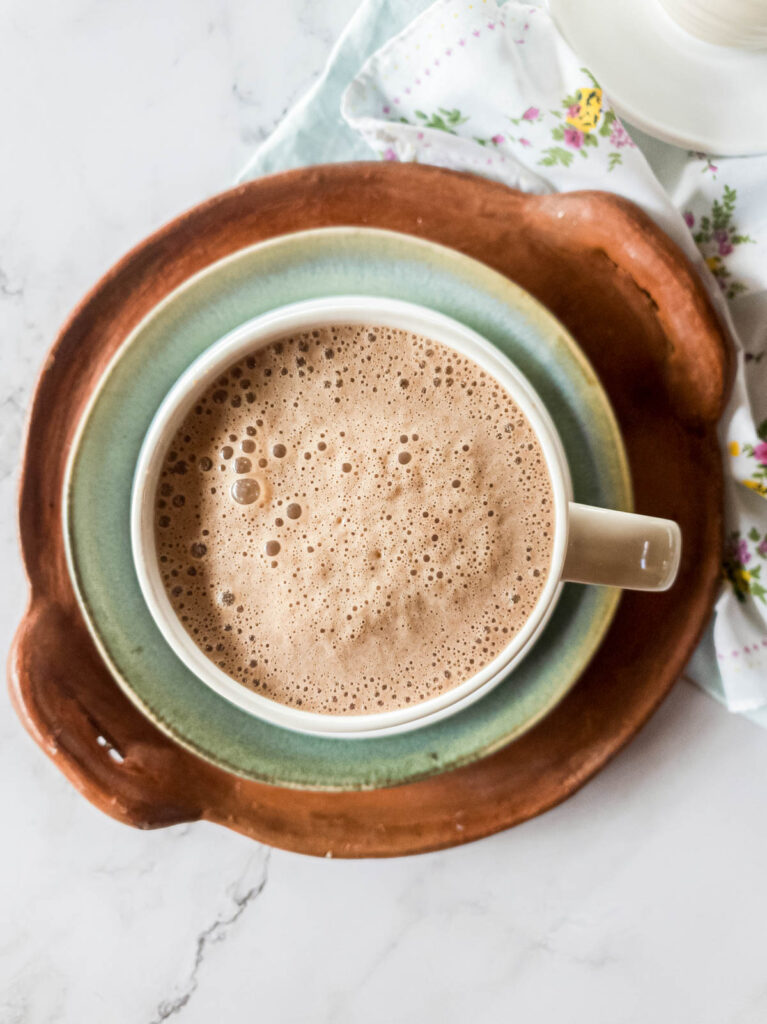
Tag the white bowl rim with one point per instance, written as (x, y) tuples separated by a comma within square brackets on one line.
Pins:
[(258, 332)]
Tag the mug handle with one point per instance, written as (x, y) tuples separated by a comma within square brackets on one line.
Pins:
[(621, 549)]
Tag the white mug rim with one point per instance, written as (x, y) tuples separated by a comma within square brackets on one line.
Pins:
[(260, 331)]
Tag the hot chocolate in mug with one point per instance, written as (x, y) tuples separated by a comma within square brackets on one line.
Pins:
[(590, 545)]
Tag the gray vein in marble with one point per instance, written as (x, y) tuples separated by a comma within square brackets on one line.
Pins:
[(314, 28), (7, 289), (12, 413), (249, 103), (341, 1001), (17, 1013), (218, 931), (554, 942)]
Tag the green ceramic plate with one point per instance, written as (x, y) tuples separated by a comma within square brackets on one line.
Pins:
[(336, 261)]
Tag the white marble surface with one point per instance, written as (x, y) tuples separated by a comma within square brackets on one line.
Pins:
[(641, 899)]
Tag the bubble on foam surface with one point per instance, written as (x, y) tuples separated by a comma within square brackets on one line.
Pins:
[(398, 535), (245, 491)]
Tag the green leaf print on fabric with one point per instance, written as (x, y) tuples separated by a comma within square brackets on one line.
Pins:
[(742, 566), (717, 237), (607, 123), (443, 121), (580, 125), (556, 155)]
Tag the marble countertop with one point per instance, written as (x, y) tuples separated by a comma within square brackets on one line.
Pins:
[(640, 899)]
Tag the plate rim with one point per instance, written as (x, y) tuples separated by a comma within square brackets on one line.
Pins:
[(524, 301)]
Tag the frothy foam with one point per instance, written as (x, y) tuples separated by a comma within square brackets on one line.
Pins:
[(354, 519)]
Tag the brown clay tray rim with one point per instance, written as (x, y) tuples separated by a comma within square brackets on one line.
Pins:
[(653, 338)]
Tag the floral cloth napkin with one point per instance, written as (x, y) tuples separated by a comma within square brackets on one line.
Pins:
[(494, 89)]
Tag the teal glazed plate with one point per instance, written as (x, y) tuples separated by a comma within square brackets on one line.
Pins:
[(326, 262)]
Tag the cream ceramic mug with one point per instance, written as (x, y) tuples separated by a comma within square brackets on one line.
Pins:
[(591, 545)]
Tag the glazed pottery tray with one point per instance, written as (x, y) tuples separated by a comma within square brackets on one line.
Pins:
[(636, 308)]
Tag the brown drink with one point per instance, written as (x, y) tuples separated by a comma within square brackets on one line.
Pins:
[(354, 519)]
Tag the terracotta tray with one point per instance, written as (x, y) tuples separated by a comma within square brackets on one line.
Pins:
[(634, 304)]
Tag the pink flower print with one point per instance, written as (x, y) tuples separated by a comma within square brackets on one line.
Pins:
[(738, 551), (490, 25), (389, 154), (722, 239), (573, 138), (760, 452), (574, 110), (437, 62), (689, 219), (531, 114), (475, 32), (498, 139), (461, 42), (419, 135), (396, 99), (448, 53), (519, 42), (525, 142), (709, 165), (762, 549), (619, 137), (387, 110)]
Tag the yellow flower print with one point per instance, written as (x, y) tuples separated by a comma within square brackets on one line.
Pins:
[(584, 114), (756, 485), (713, 263), (740, 579), (734, 448)]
